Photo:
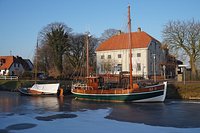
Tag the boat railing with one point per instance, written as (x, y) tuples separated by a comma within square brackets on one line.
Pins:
[(82, 85)]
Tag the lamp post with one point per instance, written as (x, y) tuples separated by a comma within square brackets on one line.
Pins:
[(154, 66), (143, 71), (164, 68)]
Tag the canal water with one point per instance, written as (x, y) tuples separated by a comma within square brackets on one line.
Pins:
[(25, 114)]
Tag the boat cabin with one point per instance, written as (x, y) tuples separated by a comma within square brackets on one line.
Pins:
[(93, 82)]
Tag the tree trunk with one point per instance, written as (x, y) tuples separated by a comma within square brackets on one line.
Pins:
[(193, 68)]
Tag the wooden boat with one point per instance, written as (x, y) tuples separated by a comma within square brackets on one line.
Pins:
[(40, 89), (94, 88), (92, 91)]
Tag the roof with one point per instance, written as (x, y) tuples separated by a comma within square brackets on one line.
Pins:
[(8, 62), (140, 39), (25, 63)]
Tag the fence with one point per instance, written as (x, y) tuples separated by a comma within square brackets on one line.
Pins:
[(8, 78)]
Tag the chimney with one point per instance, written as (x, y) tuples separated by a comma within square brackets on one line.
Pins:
[(119, 32), (139, 29)]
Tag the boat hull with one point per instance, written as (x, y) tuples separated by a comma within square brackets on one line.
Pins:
[(26, 91), (40, 89), (150, 96)]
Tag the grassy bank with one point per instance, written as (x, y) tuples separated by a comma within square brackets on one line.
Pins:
[(179, 90), (13, 85)]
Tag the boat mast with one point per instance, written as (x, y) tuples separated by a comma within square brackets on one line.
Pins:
[(87, 54), (130, 49), (36, 62)]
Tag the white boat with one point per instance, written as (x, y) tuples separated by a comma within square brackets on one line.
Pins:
[(41, 89)]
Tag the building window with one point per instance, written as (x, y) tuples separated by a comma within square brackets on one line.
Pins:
[(138, 67), (102, 56), (109, 56), (102, 68), (138, 54), (119, 67), (119, 56)]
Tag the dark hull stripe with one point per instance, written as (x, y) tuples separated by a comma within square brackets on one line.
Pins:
[(125, 98)]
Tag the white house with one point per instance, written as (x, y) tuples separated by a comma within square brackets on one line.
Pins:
[(11, 65), (148, 56)]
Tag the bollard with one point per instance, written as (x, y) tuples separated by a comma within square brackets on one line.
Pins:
[(61, 92)]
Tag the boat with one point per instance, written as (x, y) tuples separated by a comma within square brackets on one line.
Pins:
[(41, 89), (97, 89)]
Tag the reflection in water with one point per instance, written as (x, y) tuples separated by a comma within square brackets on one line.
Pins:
[(171, 114), (14, 102), (8, 101)]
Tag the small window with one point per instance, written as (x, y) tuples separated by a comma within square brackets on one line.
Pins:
[(138, 67), (138, 54), (119, 56), (109, 56), (102, 56)]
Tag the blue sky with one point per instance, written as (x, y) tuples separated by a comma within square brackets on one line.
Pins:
[(21, 20)]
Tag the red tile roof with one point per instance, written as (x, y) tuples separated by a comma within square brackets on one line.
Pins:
[(139, 40), (8, 62)]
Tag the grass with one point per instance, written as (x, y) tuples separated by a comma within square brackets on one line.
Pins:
[(190, 90)]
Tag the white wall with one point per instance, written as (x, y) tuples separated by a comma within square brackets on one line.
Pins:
[(18, 69), (146, 60), (124, 60), (155, 49)]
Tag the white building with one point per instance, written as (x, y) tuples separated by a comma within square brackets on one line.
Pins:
[(11, 65), (148, 56)]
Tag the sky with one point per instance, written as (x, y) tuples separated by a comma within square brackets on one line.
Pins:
[(22, 20)]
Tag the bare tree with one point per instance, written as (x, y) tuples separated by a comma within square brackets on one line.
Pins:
[(77, 54), (108, 65), (184, 37), (108, 33)]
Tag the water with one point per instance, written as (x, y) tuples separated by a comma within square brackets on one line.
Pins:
[(51, 114)]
